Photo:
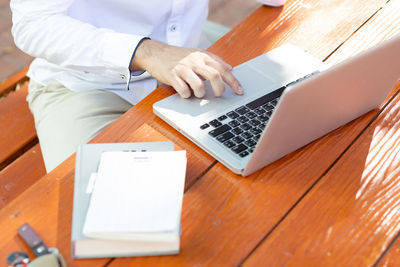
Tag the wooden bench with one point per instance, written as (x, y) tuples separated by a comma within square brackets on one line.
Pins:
[(314, 207), (21, 162)]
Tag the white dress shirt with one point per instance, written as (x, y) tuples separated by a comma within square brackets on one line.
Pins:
[(88, 44)]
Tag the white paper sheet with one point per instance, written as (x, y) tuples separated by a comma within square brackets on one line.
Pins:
[(136, 193)]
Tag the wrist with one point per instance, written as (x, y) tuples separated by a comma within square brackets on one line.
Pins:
[(142, 55)]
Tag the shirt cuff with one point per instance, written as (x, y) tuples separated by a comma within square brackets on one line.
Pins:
[(117, 53), (136, 72)]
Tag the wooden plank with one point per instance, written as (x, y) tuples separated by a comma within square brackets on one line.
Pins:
[(352, 214), (17, 128), (384, 25), (47, 206), (315, 26), (231, 12), (392, 258), (11, 83), (225, 216), (52, 215), (21, 174), (43, 206)]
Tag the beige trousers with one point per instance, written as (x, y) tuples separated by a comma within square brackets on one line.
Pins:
[(65, 119)]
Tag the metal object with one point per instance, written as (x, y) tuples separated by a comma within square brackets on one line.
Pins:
[(33, 240), (49, 257), (18, 259)]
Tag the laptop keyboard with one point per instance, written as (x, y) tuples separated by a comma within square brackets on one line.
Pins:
[(239, 129)]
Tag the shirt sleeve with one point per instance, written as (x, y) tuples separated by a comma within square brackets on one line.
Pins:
[(42, 29)]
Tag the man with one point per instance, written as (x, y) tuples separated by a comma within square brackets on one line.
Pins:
[(94, 60)]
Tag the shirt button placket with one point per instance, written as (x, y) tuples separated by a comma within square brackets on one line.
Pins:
[(173, 29)]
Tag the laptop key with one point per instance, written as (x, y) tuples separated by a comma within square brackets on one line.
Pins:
[(255, 122), (232, 114), (244, 154), (261, 126), (215, 123), (238, 139), (256, 137), (242, 110), (263, 118), (266, 98), (229, 144), (259, 111), (204, 126), (250, 143), (268, 107), (234, 123), (225, 136), (245, 126), (251, 115), (223, 117), (239, 148), (237, 131), (242, 119), (247, 135), (219, 130), (255, 131)]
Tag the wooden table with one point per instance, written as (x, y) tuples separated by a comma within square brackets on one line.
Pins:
[(334, 202)]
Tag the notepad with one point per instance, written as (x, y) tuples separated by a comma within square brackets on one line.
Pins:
[(137, 198)]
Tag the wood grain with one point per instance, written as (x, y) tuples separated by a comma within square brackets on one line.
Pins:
[(231, 12), (316, 26), (353, 213), (357, 200), (47, 206), (17, 127), (392, 258), (12, 82), (21, 174), (225, 216), (44, 206), (382, 26)]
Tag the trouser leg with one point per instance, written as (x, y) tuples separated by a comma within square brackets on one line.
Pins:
[(65, 119)]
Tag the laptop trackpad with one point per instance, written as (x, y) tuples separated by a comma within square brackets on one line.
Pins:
[(253, 82), (252, 79)]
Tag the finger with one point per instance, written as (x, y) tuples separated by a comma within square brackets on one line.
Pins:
[(181, 87), (194, 81), (226, 75), (220, 60), (231, 80), (213, 76)]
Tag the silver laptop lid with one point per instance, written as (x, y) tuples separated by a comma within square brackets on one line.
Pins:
[(327, 101)]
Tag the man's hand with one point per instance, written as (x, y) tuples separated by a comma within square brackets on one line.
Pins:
[(185, 69)]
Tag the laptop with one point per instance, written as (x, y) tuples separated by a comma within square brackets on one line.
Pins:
[(291, 98)]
